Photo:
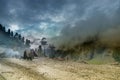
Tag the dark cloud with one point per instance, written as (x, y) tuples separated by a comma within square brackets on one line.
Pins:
[(97, 18), (28, 15), (66, 18)]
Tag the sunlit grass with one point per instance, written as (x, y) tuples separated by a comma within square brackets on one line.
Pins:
[(99, 60)]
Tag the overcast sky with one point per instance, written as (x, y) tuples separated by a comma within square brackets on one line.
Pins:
[(36, 18)]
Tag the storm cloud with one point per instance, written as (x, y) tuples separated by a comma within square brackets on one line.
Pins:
[(38, 16), (65, 20)]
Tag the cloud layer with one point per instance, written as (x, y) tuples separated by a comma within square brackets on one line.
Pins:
[(67, 19)]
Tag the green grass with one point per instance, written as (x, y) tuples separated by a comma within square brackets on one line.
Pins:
[(99, 60), (1, 77)]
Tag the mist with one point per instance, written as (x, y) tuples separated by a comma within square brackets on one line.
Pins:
[(99, 19)]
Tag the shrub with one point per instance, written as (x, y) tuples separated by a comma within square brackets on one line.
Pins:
[(116, 55)]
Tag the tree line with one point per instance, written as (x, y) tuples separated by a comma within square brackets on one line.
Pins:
[(9, 33)]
